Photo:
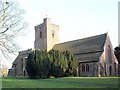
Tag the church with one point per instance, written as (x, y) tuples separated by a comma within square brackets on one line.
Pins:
[(95, 54)]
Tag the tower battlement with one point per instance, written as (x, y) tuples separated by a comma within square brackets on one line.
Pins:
[(25, 51)]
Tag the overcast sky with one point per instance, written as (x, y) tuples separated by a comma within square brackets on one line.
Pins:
[(77, 18)]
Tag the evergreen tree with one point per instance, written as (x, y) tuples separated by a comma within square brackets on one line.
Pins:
[(56, 66), (71, 63), (63, 63), (31, 65), (117, 54), (38, 64), (43, 64)]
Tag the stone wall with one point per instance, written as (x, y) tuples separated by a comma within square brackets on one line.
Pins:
[(19, 65), (92, 69)]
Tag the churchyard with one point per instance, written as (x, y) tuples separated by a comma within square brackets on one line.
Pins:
[(65, 82)]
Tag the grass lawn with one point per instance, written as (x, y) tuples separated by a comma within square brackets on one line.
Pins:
[(66, 82)]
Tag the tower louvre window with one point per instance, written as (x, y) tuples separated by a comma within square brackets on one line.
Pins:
[(53, 35), (40, 34)]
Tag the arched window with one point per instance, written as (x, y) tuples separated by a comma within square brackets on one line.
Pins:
[(40, 34), (87, 67), (15, 72), (110, 70), (109, 54), (21, 64), (105, 69), (83, 67), (115, 68), (24, 73)]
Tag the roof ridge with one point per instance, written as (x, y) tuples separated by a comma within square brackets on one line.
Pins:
[(82, 38)]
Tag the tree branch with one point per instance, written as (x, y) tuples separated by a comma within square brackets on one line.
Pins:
[(11, 26)]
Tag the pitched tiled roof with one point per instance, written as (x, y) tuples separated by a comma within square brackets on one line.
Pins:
[(88, 57), (86, 48)]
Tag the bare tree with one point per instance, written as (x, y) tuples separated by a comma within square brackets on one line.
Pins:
[(11, 26)]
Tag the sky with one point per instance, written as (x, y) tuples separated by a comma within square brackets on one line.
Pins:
[(77, 19)]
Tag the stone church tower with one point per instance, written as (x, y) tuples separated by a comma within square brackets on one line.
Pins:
[(46, 35)]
